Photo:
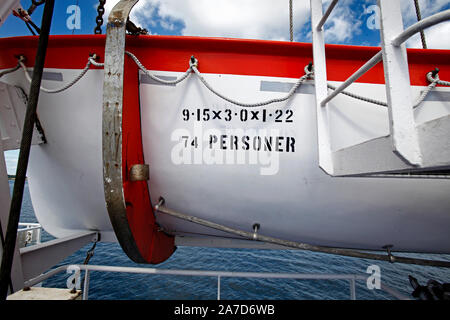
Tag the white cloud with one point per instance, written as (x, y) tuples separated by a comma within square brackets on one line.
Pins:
[(437, 37), (343, 24), (268, 19), (254, 19)]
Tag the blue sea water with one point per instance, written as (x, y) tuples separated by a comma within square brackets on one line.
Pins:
[(121, 286)]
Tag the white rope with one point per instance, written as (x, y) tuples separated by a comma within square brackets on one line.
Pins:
[(193, 64), (355, 96), (291, 92), (436, 78), (91, 60), (433, 82), (155, 78), (95, 63), (427, 90)]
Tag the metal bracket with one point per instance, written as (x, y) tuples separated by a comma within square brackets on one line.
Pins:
[(139, 172), (40, 257), (388, 248), (256, 227)]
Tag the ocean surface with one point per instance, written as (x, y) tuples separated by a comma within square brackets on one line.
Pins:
[(123, 286)]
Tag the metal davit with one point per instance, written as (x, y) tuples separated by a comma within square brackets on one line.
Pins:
[(127, 197)]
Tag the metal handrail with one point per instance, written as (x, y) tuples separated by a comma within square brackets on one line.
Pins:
[(366, 67), (29, 226), (326, 15), (421, 25), (352, 278), (33, 228), (402, 37)]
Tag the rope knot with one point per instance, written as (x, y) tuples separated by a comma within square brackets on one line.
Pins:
[(309, 70), (193, 62), (433, 76)]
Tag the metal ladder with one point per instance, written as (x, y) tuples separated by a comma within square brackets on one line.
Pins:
[(409, 147)]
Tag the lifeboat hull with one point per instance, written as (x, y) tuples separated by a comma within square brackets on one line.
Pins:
[(231, 165)]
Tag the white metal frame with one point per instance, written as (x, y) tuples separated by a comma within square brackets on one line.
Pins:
[(28, 233), (398, 89), (408, 146), (38, 258), (17, 279), (352, 278), (320, 81)]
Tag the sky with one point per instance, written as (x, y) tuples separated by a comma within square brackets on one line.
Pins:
[(352, 22)]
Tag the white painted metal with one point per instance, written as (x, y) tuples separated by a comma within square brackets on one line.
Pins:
[(401, 148), (435, 142), (86, 284), (367, 66), (5, 200), (13, 104), (28, 233), (354, 160), (398, 90), (218, 287), (320, 81), (38, 258), (353, 288), (219, 274), (6, 8), (326, 15)]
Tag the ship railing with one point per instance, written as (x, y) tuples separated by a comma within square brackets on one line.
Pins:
[(403, 148), (219, 275), (29, 233)]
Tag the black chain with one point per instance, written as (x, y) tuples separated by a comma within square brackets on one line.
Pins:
[(34, 5), (99, 19)]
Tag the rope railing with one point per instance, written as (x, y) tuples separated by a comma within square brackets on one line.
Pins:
[(91, 61), (432, 78)]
